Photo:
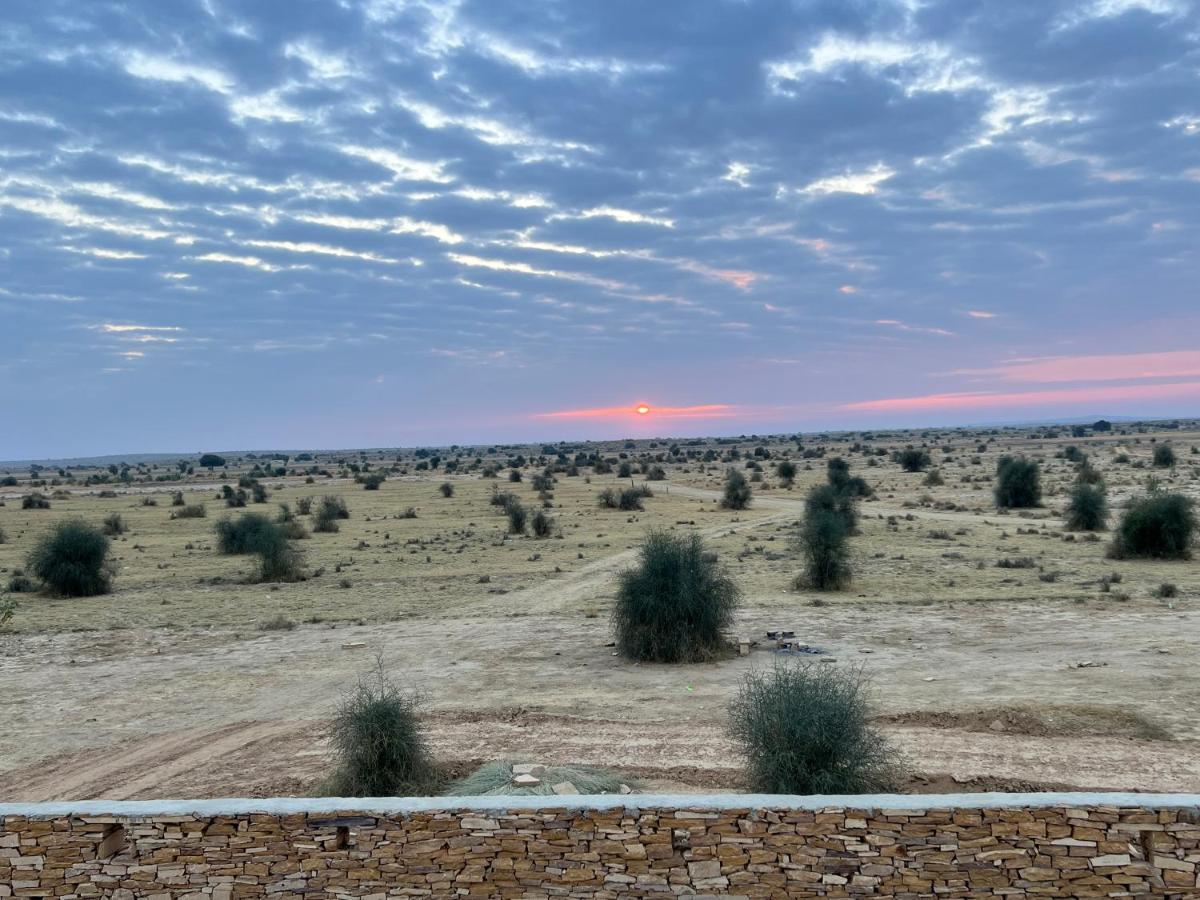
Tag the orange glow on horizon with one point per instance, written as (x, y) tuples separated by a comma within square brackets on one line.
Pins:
[(644, 410)]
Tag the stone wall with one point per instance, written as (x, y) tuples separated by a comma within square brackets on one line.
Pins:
[(985, 845)]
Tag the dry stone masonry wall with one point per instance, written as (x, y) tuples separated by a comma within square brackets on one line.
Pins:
[(967, 846)]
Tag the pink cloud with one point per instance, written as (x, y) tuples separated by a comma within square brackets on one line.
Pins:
[(994, 400), (1101, 367)]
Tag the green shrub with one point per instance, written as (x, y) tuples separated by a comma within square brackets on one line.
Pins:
[(177, 499), (737, 491), (1164, 456), (114, 525), (447, 489), (826, 497), (246, 534), (804, 729), (517, 516), (823, 544), (195, 511), (1018, 483), (329, 511), (1087, 508), (36, 500), (786, 471), (379, 750), (913, 459), (373, 481), (542, 524), (656, 473), (676, 604), (304, 506), (839, 477), (1158, 526), (72, 560)]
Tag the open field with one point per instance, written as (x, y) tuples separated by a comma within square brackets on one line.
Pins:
[(1054, 673)]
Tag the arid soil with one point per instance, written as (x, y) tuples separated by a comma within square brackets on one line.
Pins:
[(984, 677)]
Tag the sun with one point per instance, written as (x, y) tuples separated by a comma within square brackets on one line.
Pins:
[(641, 409)]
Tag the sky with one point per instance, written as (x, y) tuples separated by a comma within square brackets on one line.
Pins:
[(329, 223)]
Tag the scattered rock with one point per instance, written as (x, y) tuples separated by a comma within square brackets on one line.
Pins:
[(564, 787)]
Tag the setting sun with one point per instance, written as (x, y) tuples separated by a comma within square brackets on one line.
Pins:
[(642, 409)]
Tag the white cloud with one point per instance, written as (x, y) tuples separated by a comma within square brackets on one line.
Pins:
[(250, 262), (164, 68), (404, 168), (320, 250), (865, 182)]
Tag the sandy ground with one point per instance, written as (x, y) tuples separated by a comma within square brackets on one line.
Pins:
[(167, 688)]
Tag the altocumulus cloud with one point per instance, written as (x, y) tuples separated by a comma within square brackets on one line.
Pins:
[(483, 211)]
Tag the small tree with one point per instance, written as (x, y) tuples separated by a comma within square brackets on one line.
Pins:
[(1018, 483), (786, 470), (72, 560), (913, 459), (675, 604), (378, 747), (838, 474), (1164, 456), (1158, 526), (1087, 507), (211, 461), (823, 544), (737, 491), (804, 729)]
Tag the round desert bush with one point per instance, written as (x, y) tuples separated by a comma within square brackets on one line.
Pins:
[(1018, 483), (1159, 526), (195, 511), (541, 524), (378, 746), (822, 542), (114, 525), (447, 489), (737, 491), (72, 560), (35, 500), (246, 534), (1164, 456), (177, 499), (804, 730), (304, 506), (1087, 507), (675, 604), (786, 471), (912, 459)]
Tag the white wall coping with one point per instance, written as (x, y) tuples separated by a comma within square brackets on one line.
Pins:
[(392, 806)]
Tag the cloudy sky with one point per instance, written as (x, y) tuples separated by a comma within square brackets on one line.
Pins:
[(332, 223)]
